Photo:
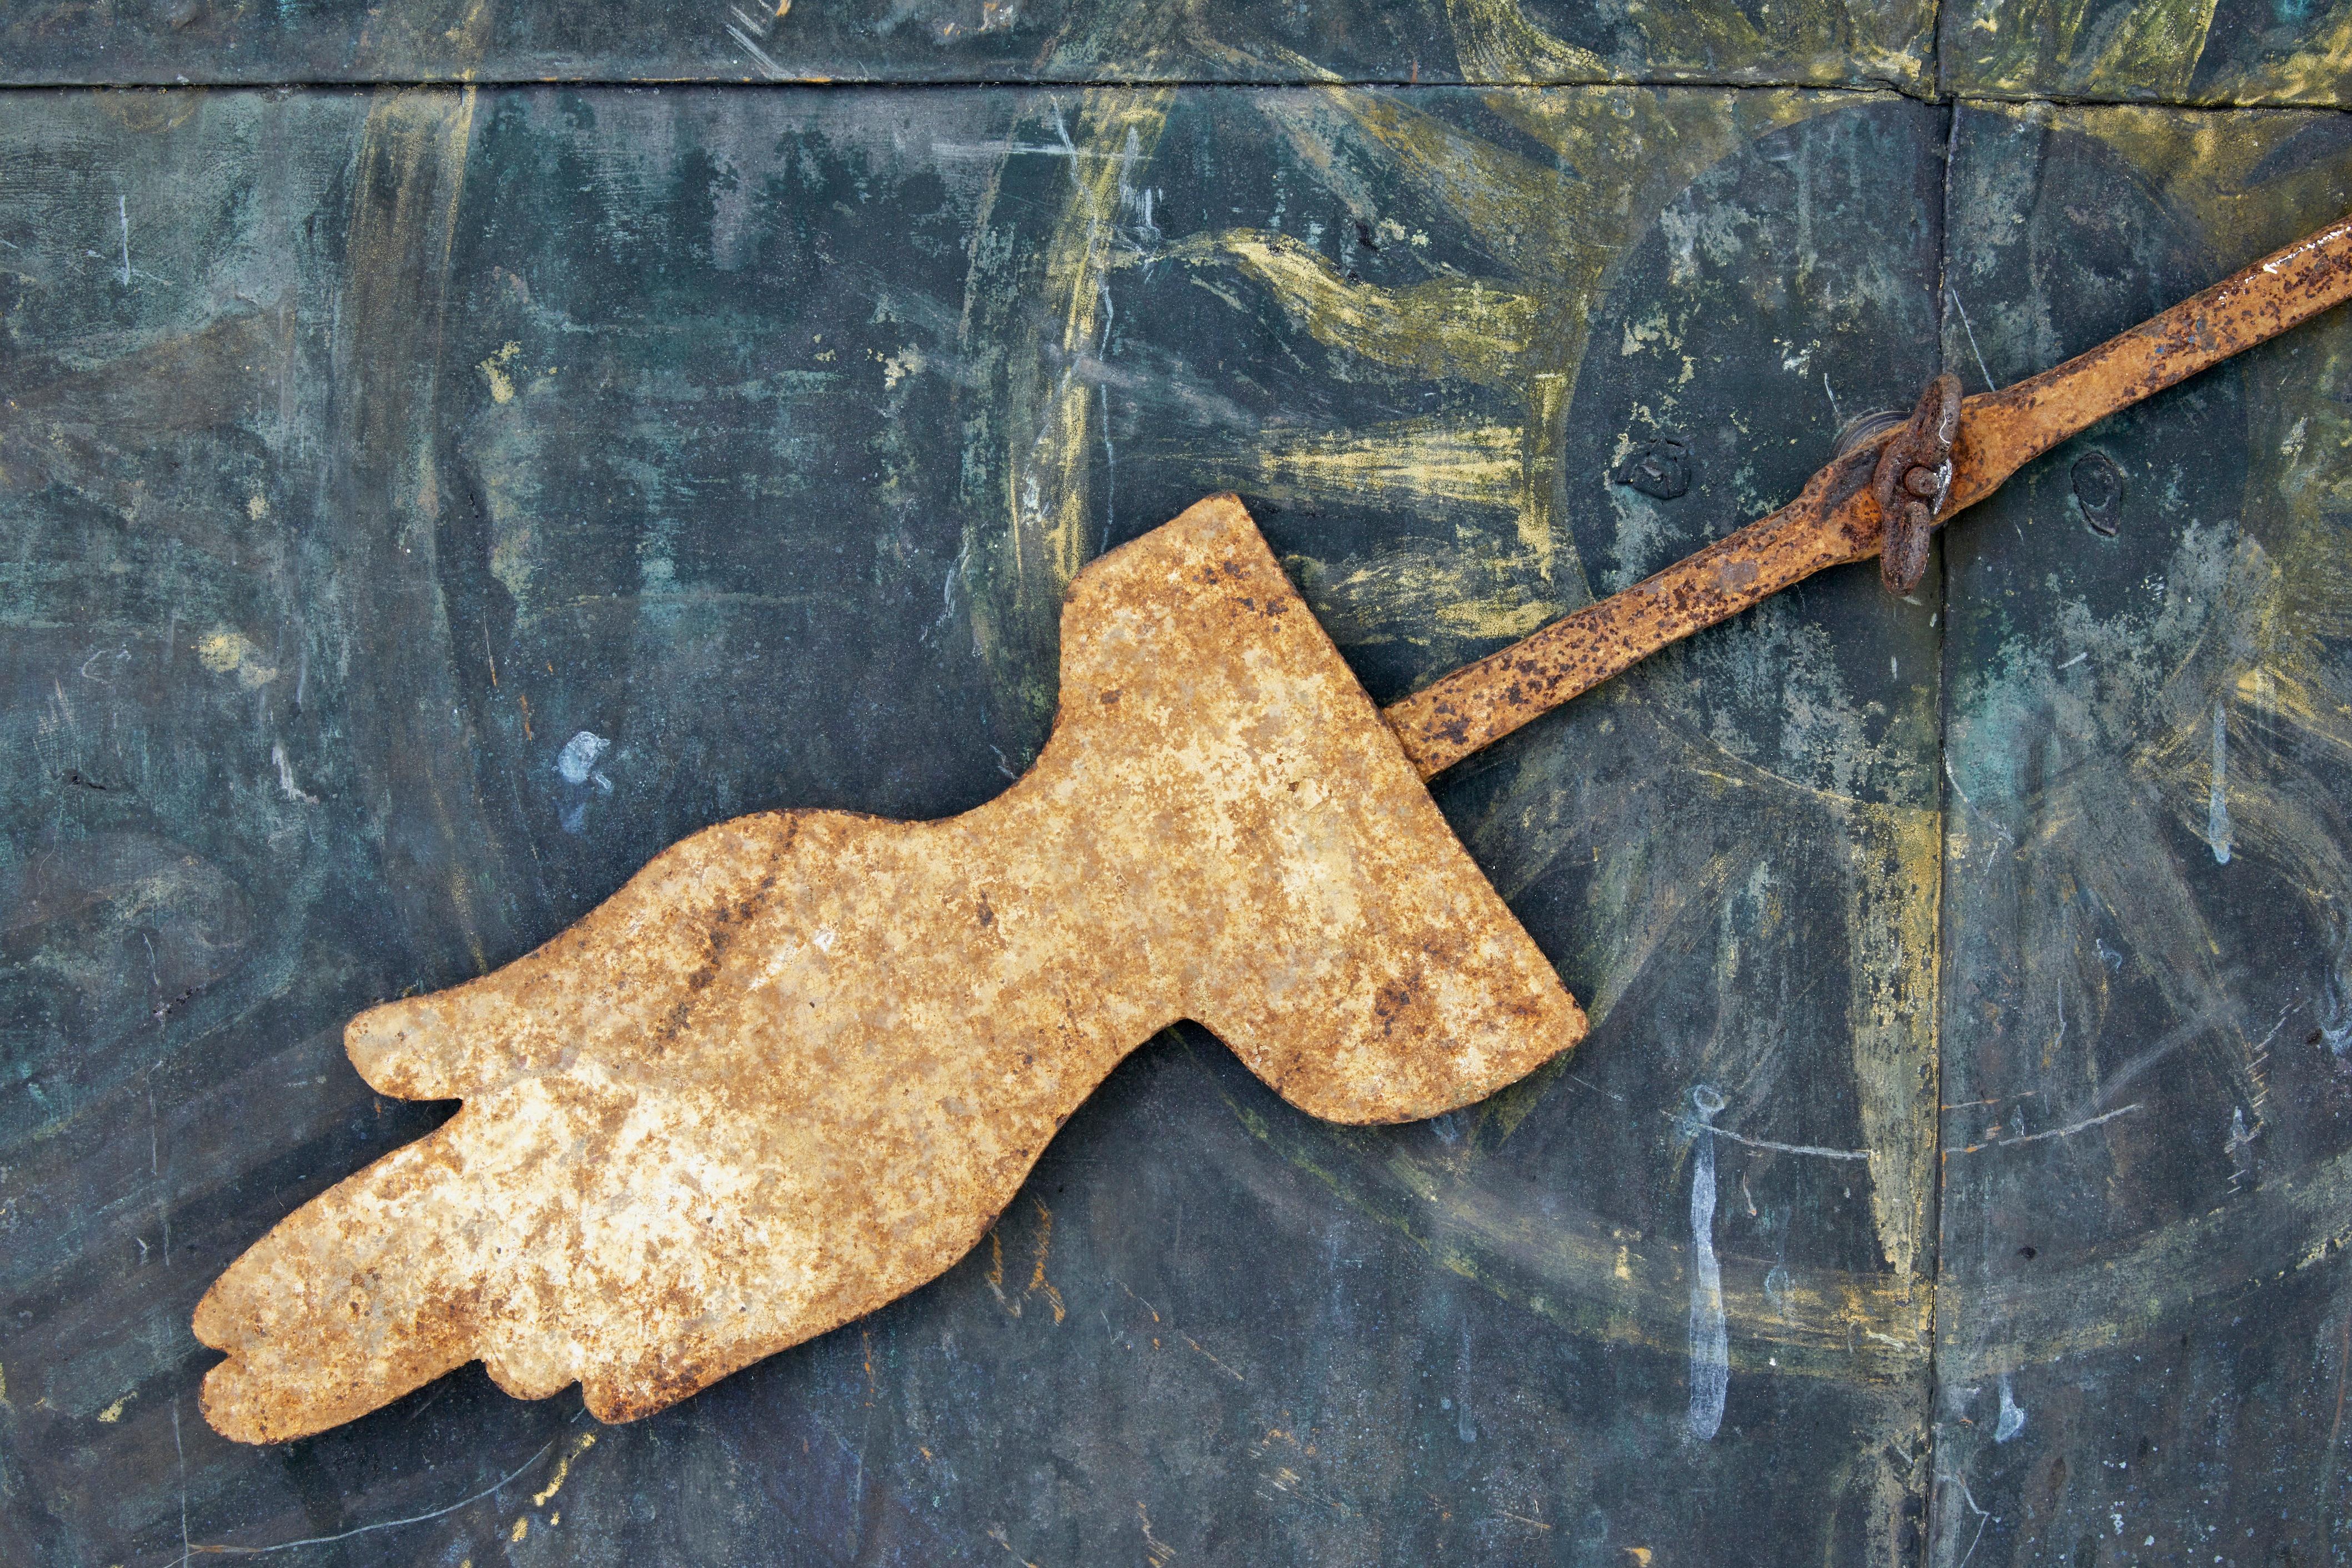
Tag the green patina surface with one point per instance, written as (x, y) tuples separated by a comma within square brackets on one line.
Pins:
[(422, 505)]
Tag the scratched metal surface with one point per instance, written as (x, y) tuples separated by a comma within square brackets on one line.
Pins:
[(425, 506), (1807, 42)]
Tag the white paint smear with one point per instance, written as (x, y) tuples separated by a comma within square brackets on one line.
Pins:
[(578, 759), (2011, 1421), (1710, 1343)]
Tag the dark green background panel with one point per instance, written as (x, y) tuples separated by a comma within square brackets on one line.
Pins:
[(422, 506), (428, 504)]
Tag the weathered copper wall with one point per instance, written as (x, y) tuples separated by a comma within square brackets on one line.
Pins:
[(423, 503)]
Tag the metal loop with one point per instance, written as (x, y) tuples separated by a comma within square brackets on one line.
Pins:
[(1912, 482)]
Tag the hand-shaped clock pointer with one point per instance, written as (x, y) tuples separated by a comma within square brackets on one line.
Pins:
[(800, 1062)]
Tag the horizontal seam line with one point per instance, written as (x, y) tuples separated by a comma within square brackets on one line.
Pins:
[(1196, 84)]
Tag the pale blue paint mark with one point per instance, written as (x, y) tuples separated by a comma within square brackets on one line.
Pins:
[(2217, 804), (576, 765), (577, 761), (1464, 1427), (2011, 1421)]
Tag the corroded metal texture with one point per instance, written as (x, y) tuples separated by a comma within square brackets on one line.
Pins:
[(798, 1065), (1838, 518), (1912, 482), (2003, 431)]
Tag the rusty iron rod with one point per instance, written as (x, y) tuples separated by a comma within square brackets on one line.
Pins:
[(1836, 519)]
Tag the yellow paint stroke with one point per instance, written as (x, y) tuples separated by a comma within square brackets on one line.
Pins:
[(1466, 328), (1258, 56), (521, 1527), (1894, 892), (2186, 1276), (2156, 47), (1415, 461), (413, 156), (1557, 230), (1529, 217), (1639, 1554), (2066, 45), (1047, 478), (451, 34), (1156, 1552), (493, 371), (995, 1277), (146, 112), (2313, 74), (1496, 42), (1426, 594), (1209, 1357), (1037, 1281), (1541, 440), (996, 1534), (232, 653), (1636, 150), (1534, 218), (1015, 570), (113, 1412), (586, 1441)]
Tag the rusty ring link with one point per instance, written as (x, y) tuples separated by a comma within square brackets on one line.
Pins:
[(1912, 482)]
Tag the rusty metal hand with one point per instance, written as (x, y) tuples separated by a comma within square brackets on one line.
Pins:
[(799, 1064)]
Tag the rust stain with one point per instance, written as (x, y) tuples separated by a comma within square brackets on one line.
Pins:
[(797, 1066)]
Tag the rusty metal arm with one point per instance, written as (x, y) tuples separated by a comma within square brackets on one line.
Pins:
[(1837, 519)]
